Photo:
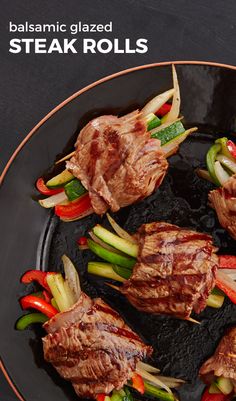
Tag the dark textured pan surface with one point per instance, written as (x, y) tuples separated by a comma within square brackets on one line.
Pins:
[(32, 236)]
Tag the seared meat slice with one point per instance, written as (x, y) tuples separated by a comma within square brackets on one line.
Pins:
[(223, 362), (223, 200), (175, 270), (117, 161), (91, 346)]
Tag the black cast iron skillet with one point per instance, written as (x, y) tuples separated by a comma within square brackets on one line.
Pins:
[(32, 237)]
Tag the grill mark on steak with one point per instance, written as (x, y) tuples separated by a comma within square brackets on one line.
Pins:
[(172, 305), (95, 152), (112, 137), (107, 310), (175, 270), (114, 154), (138, 126), (157, 228), (175, 278), (193, 237), (95, 134), (153, 258), (91, 346)]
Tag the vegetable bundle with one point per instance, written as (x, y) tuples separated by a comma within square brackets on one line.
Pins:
[(221, 162), (58, 295), (120, 249), (70, 198)]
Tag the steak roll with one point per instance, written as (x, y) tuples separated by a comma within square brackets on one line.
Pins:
[(175, 270), (91, 346), (117, 161)]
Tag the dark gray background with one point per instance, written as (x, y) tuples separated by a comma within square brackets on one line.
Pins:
[(31, 85)]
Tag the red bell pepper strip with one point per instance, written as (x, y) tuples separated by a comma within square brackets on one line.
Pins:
[(232, 148), (35, 275), (100, 397), (82, 241), (227, 261), (138, 383), (75, 208), (44, 190), (227, 285), (32, 302), (215, 397), (163, 110)]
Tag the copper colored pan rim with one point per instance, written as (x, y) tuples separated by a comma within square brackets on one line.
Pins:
[(61, 105), (10, 382)]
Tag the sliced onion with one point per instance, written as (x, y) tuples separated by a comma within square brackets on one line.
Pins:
[(171, 147), (204, 174), (175, 108), (72, 277), (69, 294), (54, 200), (230, 164), (147, 367), (156, 103), (153, 379), (171, 382), (120, 231), (230, 272), (221, 174)]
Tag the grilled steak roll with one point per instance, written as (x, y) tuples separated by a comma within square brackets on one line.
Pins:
[(117, 161), (223, 362), (223, 200), (91, 346), (175, 270)]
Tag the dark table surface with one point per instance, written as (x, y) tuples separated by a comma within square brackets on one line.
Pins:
[(32, 84)]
